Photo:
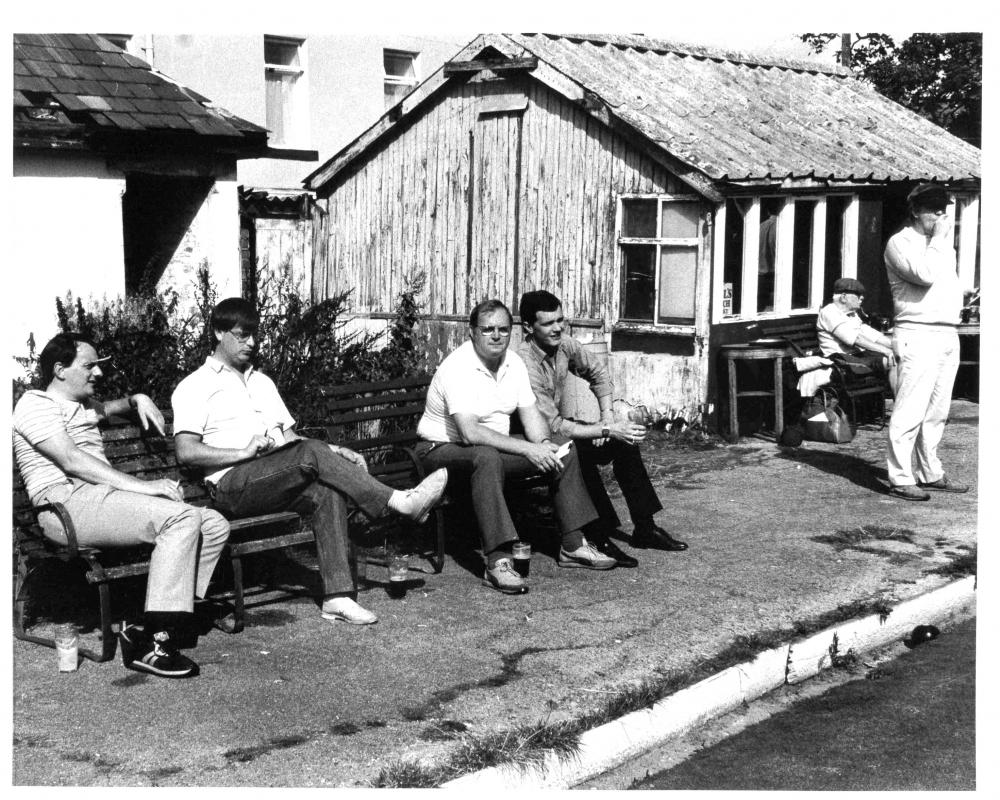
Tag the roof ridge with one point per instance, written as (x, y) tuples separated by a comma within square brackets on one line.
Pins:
[(639, 41)]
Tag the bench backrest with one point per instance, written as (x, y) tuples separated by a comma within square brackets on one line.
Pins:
[(799, 332)]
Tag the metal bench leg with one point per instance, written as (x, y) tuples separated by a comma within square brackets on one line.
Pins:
[(438, 560), (108, 639), (239, 612)]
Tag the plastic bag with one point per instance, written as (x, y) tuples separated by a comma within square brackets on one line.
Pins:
[(823, 420)]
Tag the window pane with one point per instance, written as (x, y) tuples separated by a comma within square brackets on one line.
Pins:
[(680, 220), (281, 53), (802, 252), (639, 218), (732, 272), (278, 100), (678, 266), (769, 208), (835, 208), (638, 263), (398, 65)]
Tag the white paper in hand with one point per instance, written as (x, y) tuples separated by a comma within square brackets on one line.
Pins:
[(563, 450)]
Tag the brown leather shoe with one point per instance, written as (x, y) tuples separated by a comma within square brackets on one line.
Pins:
[(908, 492), (943, 484)]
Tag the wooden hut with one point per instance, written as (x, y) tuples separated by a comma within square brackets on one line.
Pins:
[(672, 196)]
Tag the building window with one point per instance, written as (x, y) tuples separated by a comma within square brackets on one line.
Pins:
[(400, 75), (783, 254), (285, 91), (660, 245)]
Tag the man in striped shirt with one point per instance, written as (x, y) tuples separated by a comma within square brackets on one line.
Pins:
[(61, 457)]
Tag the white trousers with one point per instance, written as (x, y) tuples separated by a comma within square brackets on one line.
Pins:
[(187, 541), (928, 361)]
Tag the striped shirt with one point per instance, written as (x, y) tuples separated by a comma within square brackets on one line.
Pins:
[(39, 416)]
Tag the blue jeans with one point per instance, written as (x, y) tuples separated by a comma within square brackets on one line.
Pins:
[(309, 478)]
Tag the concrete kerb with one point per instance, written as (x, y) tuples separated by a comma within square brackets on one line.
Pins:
[(614, 743)]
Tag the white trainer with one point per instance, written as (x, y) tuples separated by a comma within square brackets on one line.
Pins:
[(416, 503)]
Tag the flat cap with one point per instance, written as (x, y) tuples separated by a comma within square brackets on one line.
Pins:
[(852, 285), (928, 195)]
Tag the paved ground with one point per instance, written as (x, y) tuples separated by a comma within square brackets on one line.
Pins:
[(905, 724), (777, 536)]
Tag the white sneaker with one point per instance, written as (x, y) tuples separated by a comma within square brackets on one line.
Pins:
[(345, 609), (416, 503), (586, 556)]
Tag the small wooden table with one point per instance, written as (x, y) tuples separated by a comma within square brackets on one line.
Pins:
[(775, 352)]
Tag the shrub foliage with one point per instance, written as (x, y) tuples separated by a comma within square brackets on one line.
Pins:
[(303, 346)]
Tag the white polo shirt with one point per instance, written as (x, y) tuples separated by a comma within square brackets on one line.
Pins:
[(227, 408), (463, 385)]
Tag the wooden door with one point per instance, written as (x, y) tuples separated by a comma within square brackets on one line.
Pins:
[(495, 156)]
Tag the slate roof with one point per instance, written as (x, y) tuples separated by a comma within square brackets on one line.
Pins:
[(80, 91), (734, 118)]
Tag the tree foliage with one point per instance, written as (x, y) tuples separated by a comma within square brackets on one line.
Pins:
[(937, 75)]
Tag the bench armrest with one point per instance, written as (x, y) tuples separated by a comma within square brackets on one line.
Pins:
[(72, 545)]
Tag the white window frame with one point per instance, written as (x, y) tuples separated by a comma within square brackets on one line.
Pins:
[(696, 242), (784, 251), (297, 118), (400, 80), (968, 235)]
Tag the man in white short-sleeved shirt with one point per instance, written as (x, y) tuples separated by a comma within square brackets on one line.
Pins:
[(61, 457), (466, 429), (230, 421)]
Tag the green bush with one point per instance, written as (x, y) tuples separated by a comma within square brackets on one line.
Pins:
[(303, 346)]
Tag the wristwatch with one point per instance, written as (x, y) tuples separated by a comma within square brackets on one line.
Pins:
[(605, 432)]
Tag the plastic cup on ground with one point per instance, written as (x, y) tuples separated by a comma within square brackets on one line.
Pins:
[(67, 647), (522, 558), (399, 567)]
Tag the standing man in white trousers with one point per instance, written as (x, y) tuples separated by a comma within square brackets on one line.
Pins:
[(927, 297)]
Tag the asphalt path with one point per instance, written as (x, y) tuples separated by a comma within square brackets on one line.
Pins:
[(905, 724)]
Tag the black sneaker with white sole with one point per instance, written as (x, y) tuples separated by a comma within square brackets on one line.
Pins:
[(154, 654)]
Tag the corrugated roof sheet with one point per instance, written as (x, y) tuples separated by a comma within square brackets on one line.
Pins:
[(741, 117), (101, 88)]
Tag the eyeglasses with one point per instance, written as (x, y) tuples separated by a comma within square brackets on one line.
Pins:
[(242, 337), (503, 330)]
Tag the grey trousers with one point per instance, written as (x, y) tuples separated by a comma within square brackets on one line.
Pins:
[(307, 477), (187, 541), (487, 468)]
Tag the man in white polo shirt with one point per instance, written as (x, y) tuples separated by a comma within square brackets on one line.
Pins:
[(61, 457), (230, 421), (466, 428), (927, 299)]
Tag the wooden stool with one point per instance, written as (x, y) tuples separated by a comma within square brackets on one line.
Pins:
[(755, 352)]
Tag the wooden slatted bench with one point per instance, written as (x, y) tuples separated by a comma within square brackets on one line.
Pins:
[(377, 419), (799, 333)]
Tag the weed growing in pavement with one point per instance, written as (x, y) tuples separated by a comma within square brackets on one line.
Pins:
[(840, 660), (521, 747), (527, 745)]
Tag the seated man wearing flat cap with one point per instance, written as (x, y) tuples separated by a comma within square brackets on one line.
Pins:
[(841, 330)]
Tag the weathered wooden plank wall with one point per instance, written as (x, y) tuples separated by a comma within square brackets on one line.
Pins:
[(406, 208)]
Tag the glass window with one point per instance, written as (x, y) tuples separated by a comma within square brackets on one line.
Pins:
[(732, 272), (769, 209), (283, 87), (836, 206), (639, 219), (400, 75), (802, 252), (660, 244), (678, 266), (640, 281)]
